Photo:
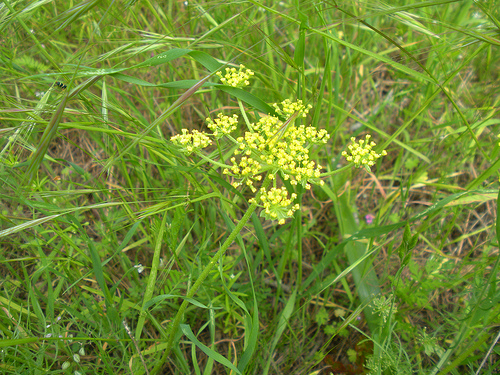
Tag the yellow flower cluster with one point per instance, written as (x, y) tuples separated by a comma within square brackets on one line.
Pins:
[(289, 108), (273, 145), (278, 146), (236, 78), (276, 204), (247, 169), (362, 153), (222, 125), (191, 142)]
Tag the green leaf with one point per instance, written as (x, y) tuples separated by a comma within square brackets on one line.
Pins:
[(97, 266), (413, 242), (407, 234), (322, 317), (15, 342), (164, 57), (162, 297), (248, 98), (300, 47)]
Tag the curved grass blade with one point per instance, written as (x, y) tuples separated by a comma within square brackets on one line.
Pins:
[(205, 349)]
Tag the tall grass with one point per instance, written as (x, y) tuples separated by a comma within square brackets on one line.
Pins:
[(122, 254)]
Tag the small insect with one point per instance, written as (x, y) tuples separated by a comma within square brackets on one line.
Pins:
[(61, 85)]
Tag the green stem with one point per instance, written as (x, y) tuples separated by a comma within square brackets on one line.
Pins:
[(336, 171), (178, 317), (211, 161)]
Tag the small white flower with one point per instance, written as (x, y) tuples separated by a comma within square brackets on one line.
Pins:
[(139, 267)]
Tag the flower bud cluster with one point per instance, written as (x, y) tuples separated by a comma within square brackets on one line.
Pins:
[(276, 204), (236, 78), (247, 169), (362, 153), (222, 125), (288, 108), (191, 142)]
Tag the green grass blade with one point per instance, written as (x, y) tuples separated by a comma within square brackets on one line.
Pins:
[(365, 278), (152, 278), (205, 349), (280, 328), (48, 135)]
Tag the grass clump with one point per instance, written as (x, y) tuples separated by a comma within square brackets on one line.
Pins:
[(178, 192)]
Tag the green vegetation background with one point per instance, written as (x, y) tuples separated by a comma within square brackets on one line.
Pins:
[(105, 226)]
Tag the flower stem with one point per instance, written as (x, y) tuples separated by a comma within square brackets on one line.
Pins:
[(178, 317)]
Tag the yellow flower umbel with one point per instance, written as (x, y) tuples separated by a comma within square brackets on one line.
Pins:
[(276, 204), (236, 78), (222, 125), (281, 147), (273, 145), (289, 108), (191, 142), (362, 153)]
